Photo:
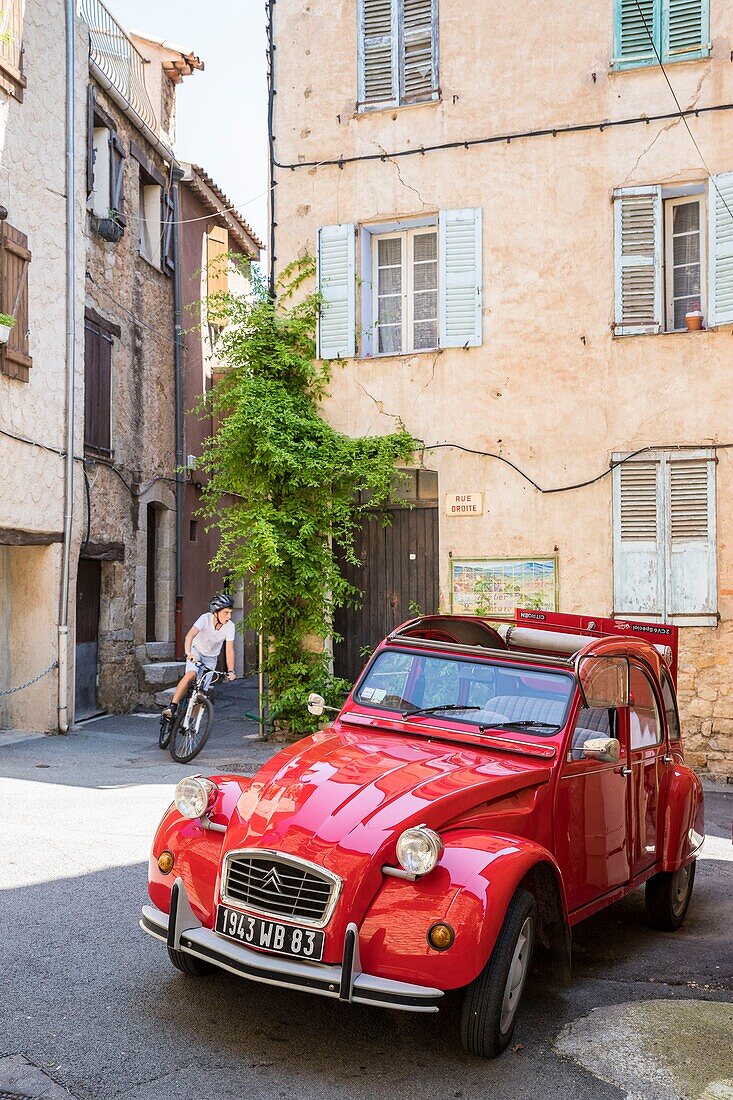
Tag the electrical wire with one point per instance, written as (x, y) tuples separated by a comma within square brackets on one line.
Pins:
[(682, 114), (578, 484), (507, 138)]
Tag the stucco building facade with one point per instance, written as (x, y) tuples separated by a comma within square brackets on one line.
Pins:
[(512, 216), (34, 362)]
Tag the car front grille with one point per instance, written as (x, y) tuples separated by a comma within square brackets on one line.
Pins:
[(280, 886)]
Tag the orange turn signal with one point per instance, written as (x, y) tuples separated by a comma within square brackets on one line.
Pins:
[(441, 936), (165, 862)]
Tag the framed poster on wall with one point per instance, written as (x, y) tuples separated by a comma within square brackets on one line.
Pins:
[(495, 586)]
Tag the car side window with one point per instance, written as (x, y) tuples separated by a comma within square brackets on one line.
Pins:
[(645, 727), (670, 709), (592, 722)]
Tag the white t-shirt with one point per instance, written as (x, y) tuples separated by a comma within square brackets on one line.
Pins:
[(209, 641)]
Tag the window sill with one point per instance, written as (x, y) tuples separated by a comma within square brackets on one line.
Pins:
[(367, 112), (395, 354), (676, 332), (622, 66)]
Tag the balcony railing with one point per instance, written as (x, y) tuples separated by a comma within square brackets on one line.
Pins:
[(112, 50)]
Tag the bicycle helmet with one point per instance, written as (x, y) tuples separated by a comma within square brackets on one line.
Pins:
[(220, 602)]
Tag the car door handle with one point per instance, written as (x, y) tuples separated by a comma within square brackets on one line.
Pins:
[(624, 770)]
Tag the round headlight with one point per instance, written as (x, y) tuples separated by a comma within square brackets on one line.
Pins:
[(193, 796), (418, 850)]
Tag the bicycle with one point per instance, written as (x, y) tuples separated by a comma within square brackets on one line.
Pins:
[(186, 734)]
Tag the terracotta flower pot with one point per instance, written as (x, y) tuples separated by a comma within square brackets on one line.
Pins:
[(693, 320)]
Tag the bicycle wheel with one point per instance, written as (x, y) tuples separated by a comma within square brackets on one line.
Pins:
[(187, 742), (164, 734)]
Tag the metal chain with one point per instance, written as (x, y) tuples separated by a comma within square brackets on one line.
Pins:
[(11, 691)]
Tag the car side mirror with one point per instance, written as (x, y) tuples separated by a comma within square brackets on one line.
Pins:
[(607, 749)]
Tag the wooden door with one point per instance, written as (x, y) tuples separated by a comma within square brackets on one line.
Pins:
[(88, 591), (150, 566), (398, 576)]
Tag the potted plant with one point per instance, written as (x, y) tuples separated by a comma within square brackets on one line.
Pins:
[(110, 228), (693, 317), (6, 323)]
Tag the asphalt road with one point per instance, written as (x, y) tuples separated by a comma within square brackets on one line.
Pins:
[(89, 1002)]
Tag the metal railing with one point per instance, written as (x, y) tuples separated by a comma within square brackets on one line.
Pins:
[(113, 51)]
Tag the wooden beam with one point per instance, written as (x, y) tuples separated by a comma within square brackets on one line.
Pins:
[(11, 536)]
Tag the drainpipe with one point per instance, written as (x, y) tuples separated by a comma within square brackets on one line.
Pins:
[(63, 635), (176, 176)]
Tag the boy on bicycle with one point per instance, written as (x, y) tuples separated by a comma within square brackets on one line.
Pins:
[(203, 645)]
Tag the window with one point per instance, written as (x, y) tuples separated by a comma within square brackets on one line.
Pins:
[(12, 79), (98, 341), (675, 30), (398, 52), (670, 709), (664, 537), (663, 238), (15, 258), (405, 306), (420, 285), (150, 197), (105, 164), (645, 727), (217, 277)]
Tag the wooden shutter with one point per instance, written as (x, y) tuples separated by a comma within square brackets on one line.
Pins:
[(97, 388), (337, 285), (217, 250), (15, 258), (638, 521), (117, 192), (690, 491), (419, 50), (635, 20), (638, 252), (168, 217), (686, 32), (378, 68), (720, 206), (11, 48), (460, 290)]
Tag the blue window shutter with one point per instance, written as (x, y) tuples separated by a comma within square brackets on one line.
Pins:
[(720, 206), (686, 30), (378, 53), (460, 256), (638, 260), (419, 70), (638, 538), (691, 558), (634, 21), (337, 284)]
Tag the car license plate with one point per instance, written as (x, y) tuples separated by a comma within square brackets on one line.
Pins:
[(285, 939)]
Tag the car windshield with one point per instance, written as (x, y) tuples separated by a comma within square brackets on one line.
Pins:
[(490, 695)]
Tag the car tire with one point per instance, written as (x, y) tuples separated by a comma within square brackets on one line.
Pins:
[(189, 964), (492, 1000), (667, 897)]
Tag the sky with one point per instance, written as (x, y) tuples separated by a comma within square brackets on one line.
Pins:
[(222, 111)]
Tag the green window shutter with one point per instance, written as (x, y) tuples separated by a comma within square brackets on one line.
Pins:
[(686, 29), (720, 206), (337, 285), (419, 50), (637, 32), (638, 256), (638, 543), (378, 53)]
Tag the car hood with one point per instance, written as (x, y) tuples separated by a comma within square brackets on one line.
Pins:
[(341, 798)]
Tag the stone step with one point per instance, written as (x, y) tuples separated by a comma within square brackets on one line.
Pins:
[(163, 698), (160, 651), (161, 674)]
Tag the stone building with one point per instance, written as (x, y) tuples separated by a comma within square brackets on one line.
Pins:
[(513, 216), (129, 573), (216, 250), (37, 272)]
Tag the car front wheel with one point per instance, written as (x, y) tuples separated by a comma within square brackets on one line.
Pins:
[(492, 1000), (667, 896)]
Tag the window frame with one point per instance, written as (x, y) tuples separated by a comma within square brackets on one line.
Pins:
[(407, 237), (150, 199), (668, 205), (636, 667)]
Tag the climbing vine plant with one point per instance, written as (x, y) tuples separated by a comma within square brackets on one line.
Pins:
[(284, 484)]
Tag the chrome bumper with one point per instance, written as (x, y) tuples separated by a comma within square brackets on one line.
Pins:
[(181, 930)]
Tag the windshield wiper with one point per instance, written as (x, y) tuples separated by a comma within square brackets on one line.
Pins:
[(434, 710), (521, 724)]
